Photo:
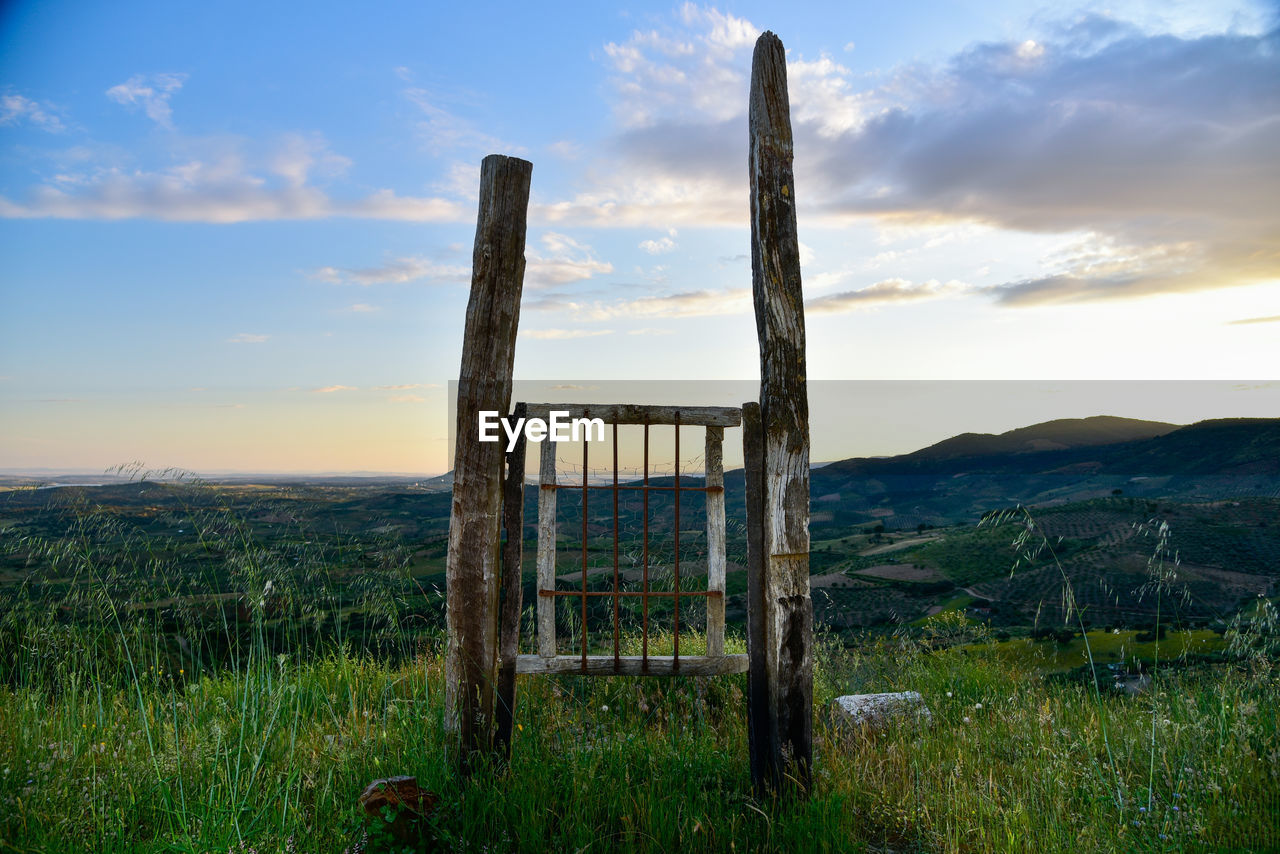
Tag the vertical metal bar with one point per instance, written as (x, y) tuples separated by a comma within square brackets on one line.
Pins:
[(616, 626), (584, 552), (716, 558), (676, 641), (547, 549), (644, 599), (512, 587)]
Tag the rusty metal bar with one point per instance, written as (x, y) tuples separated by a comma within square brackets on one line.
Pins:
[(655, 594), (585, 445), (616, 626), (625, 488), (644, 632), (676, 640)]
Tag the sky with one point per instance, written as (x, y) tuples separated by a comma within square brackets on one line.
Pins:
[(236, 237)]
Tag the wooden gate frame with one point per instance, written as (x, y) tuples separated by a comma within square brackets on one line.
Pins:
[(482, 653), (714, 662)]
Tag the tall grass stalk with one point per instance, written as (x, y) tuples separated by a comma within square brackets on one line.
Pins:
[(1030, 543)]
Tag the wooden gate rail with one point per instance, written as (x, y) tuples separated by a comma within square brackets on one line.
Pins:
[(715, 662)]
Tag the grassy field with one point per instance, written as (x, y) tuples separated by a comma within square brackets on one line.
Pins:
[(235, 691), (272, 757)]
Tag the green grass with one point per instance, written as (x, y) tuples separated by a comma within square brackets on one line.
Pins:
[(274, 756), (1113, 647), (192, 728)]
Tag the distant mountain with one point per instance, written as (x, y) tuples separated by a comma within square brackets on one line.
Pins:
[(1058, 435), (1098, 444), (1056, 462), (1228, 446)]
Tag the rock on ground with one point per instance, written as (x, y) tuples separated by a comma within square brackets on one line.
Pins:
[(879, 710)]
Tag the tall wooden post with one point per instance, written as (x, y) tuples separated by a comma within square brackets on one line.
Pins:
[(781, 662), (484, 383)]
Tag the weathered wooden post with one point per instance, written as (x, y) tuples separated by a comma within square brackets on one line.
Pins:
[(512, 586), (484, 383), (780, 628)]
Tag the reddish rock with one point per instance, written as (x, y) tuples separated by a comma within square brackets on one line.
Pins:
[(409, 805)]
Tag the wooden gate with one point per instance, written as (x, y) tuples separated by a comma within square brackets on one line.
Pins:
[(484, 579), (714, 661)]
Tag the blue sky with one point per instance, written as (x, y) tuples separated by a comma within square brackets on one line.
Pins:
[(237, 237)]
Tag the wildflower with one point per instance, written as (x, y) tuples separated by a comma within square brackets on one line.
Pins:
[(966, 719), (977, 705), (604, 708), (948, 693)]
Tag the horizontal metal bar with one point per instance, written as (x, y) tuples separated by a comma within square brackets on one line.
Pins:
[(667, 593), (633, 665), (621, 488), (630, 413)]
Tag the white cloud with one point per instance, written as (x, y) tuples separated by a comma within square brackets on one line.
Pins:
[(199, 192), (882, 293), (649, 330), (247, 338), (405, 386), (442, 131), (213, 180), (299, 156), (565, 261), (1076, 130), (660, 246), (15, 109), (151, 92), (565, 149), (563, 334), (330, 389), (396, 271), (361, 308), (679, 305)]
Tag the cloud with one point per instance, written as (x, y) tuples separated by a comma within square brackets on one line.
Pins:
[(660, 246), (1083, 132), (565, 149), (203, 192), (396, 271), (884, 292), (1158, 146), (361, 308), (562, 261), (300, 155), (407, 398), (405, 386), (565, 261), (15, 109), (649, 330), (688, 304), (441, 131), (219, 184), (247, 338), (330, 389), (1273, 319), (151, 92), (563, 334)]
